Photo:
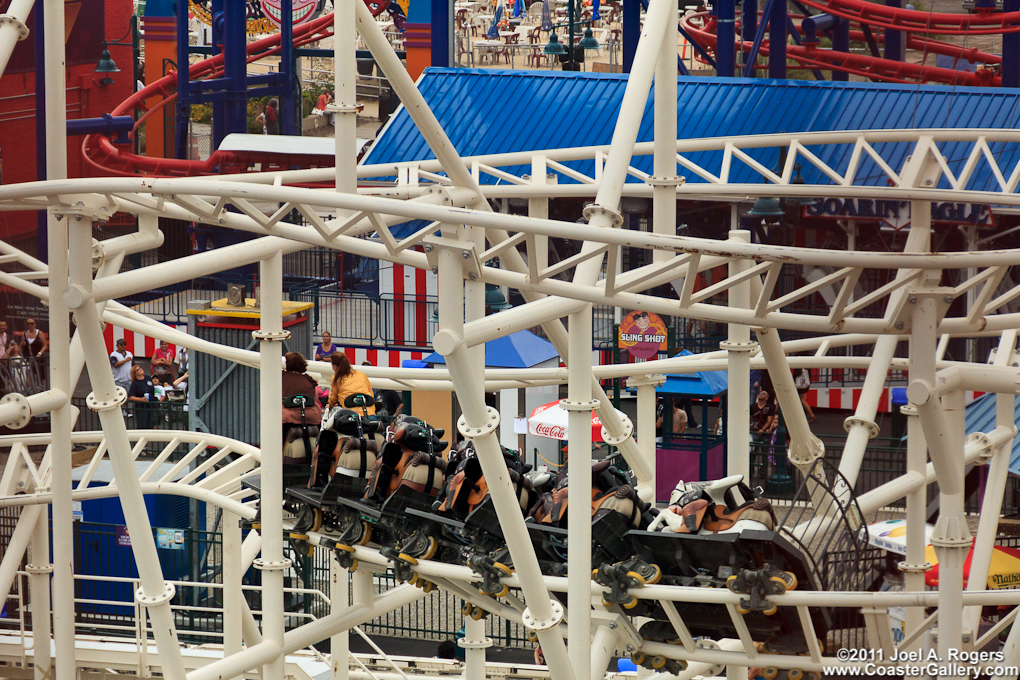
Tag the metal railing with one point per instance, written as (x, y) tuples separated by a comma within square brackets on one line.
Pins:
[(24, 375), (390, 320)]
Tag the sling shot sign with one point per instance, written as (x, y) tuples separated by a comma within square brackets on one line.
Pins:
[(897, 213)]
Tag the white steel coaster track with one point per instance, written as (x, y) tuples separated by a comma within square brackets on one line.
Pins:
[(462, 235)]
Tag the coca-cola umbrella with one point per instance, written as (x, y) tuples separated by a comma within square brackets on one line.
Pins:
[(549, 420)]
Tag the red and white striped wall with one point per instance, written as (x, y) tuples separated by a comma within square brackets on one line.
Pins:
[(139, 344), (380, 357), (847, 398), (409, 319)]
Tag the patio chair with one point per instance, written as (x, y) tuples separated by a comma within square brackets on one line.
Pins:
[(535, 56), (462, 21), (505, 51)]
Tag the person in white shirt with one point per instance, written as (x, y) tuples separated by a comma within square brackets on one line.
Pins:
[(120, 360)]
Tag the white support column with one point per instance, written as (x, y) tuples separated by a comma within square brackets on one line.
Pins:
[(602, 649), (646, 433), (995, 488), (538, 208), (155, 593), (479, 423), (61, 419), (233, 597), (914, 564), (345, 83), (13, 30), (579, 404), (739, 348), (39, 574), (474, 643), (861, 426), (272, 563), (339, 598), (665, 128)]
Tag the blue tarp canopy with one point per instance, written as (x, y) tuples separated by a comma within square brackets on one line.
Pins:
[(981, 418), (700, 384), (522, 349)]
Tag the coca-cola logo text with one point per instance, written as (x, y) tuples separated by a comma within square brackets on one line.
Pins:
[(554, 431)]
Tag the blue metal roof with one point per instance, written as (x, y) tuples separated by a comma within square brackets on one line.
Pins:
[(704, 384), (496, 111), (981, 418), (522, 349)]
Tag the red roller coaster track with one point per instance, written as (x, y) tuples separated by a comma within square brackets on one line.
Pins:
[(101, 153), (701, 27)]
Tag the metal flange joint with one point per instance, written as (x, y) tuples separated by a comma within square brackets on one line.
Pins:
[(588, 405), (481, 430), (271, 336), (269, 565), (119, 397), (531, 623), (854, 421), (154, 600), (24, 409)]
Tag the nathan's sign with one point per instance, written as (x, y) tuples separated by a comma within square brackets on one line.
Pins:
[(897, 213), (643, 334)]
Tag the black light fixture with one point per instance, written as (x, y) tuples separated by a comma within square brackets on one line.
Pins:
[(799, 181), (589, 42), (766, 206), (494, 298), (106, 63), (554, 47)]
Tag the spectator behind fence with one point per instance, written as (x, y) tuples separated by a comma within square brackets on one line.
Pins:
[(17, 368), (181, 362), (3, 339), (327, 349), (34, 342), (142, 397), (163, 361), (120, 360)]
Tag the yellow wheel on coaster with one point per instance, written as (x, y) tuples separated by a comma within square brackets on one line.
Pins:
[(507, 571), (658, 662), (366, 533), (477, 613), (414, 578), (606, 603), (770, 673), (466, 609), (317, 522), (729, 580), (793, 580), (503, 591), (638, 578), (256, 527), (532, 636), (407, 558), (795, 674), (742, 611), (630, 605), (354, 566), (770, 612), (345, 548), (638, 658), (780, 583), (655, 577), (431, 550), (594, 574), (299, 537), (428, 587)]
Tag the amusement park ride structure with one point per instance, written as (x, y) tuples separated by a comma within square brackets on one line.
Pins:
[(462, 236)]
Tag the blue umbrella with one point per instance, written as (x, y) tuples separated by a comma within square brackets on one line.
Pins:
[(595, 10), (546, 17), (494, 29), (518, 8)]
